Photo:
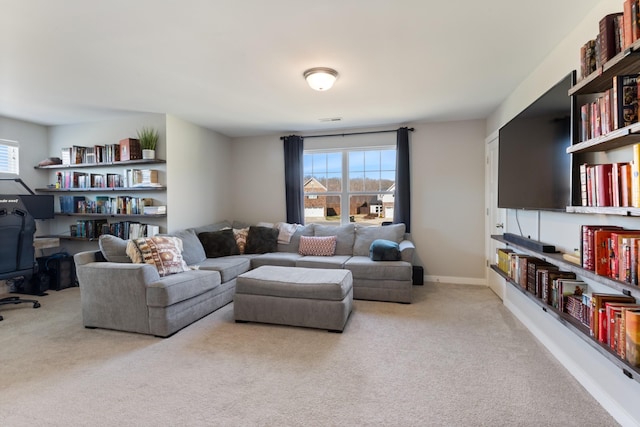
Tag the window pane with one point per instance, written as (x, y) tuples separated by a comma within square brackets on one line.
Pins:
[(334, 162), (372, 160), (322, 209), (387, 179), (370, 210), (356, 161), (307, 160), (388, 160), (9, 159), (356, 182), (372, 181), (319, 162), (334, 181)]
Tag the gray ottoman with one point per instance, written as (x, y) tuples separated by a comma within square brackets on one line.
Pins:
[(309, 297)]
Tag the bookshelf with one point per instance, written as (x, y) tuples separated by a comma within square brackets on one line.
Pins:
[(563, 318), (65, 220)]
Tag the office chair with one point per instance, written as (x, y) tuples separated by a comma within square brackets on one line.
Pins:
[(17, 227)]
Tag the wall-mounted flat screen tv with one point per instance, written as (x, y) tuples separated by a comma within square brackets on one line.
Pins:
[(534, 169)]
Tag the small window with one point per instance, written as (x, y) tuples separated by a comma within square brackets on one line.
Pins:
[(9, 159)]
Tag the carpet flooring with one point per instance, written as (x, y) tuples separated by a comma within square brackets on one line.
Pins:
[(455, 357)]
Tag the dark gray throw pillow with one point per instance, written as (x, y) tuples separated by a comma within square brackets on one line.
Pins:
[(384, 250), (219, 243), (261, 240)]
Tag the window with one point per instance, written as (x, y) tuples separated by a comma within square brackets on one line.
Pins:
[(349, 185), (9, 156)]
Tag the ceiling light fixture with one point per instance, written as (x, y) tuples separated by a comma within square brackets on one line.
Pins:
[(320, 78)]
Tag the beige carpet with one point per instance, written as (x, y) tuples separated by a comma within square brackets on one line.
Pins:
[(456, 357)]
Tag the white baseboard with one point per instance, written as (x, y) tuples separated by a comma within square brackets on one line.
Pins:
[(605, 382), (456, 280)]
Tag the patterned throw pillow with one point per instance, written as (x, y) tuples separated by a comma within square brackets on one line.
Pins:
[(241, 238), (318, 246), (163, 252)]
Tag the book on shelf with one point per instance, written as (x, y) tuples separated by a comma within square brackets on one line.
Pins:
[(502, 258), (548, 277), (614, 319), (625, 100), (576, 308), (632, 337), (564, 288), (610, 41), (542, 274), (598, 301), (533, 265), (602, 250), (587, 244), (588, 63)]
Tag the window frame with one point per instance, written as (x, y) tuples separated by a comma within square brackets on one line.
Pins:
[(11, 147), (345, 194)]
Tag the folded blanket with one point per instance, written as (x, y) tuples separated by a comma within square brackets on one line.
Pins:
[(285, 231)]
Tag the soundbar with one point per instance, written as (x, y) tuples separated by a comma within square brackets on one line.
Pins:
[(529, 243)]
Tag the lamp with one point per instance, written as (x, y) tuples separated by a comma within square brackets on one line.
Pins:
[(320, 78)]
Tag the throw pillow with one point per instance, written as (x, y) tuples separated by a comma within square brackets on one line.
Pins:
[(241, 238), (261, 240), (317, 246), (163, 252), (384, 250), (113, 248), (219, 243)]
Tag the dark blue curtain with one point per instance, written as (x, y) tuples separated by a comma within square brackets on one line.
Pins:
[(402, 209), (293, 170)]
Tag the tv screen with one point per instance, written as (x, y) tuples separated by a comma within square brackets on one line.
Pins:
[(534, 169)]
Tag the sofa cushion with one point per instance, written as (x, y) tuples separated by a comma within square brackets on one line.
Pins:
[(345, 236), (283, 259), (180, 287), (363, 267), (113, 248), (294, 242), (229, 267), (261, 240), (336, 261), (384, 250), (241, 235), (219, 243), (317, 245), (365, 235), (192, 250), (163, 252)]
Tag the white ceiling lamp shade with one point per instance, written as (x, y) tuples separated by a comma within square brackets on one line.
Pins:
[(320, 78)]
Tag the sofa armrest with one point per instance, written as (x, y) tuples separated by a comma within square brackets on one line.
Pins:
[(114, 296), (406, 250)]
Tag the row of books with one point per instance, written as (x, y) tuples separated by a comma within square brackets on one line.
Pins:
[(611, 251), (94, 228), (129, 178), (95, 154), (608, 184), (123, 205), (616, 32), (612, 109), (613, 319)]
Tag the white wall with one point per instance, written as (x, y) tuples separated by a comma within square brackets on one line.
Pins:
[(447, 169), (198, 166)]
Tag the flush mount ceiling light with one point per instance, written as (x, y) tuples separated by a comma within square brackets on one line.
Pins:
[(320, 78)]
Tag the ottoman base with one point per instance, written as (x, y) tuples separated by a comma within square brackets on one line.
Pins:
[(289, 306)]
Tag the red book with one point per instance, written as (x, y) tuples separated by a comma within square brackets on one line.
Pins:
[(603, 184), (625, 184), (607, 34), (627, 22), (602, 251)]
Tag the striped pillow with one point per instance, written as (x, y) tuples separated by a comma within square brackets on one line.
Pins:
[(317, 246)]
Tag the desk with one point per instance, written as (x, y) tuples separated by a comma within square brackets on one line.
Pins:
[(46, 242)]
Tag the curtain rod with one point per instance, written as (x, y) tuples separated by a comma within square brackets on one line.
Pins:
[(352, 133)]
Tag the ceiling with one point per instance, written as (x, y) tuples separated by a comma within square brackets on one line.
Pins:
[(236, 66)]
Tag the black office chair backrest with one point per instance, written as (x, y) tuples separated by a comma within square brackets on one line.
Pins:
[(17, 228)]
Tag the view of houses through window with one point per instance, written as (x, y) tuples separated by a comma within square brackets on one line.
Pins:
[(342, 186)]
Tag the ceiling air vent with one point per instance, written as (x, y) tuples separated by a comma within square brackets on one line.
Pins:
[(331, 119)]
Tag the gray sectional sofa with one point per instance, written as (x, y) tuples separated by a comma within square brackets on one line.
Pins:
[(121, 295)]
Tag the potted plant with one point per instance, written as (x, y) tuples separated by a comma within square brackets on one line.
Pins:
[(148, 138)]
